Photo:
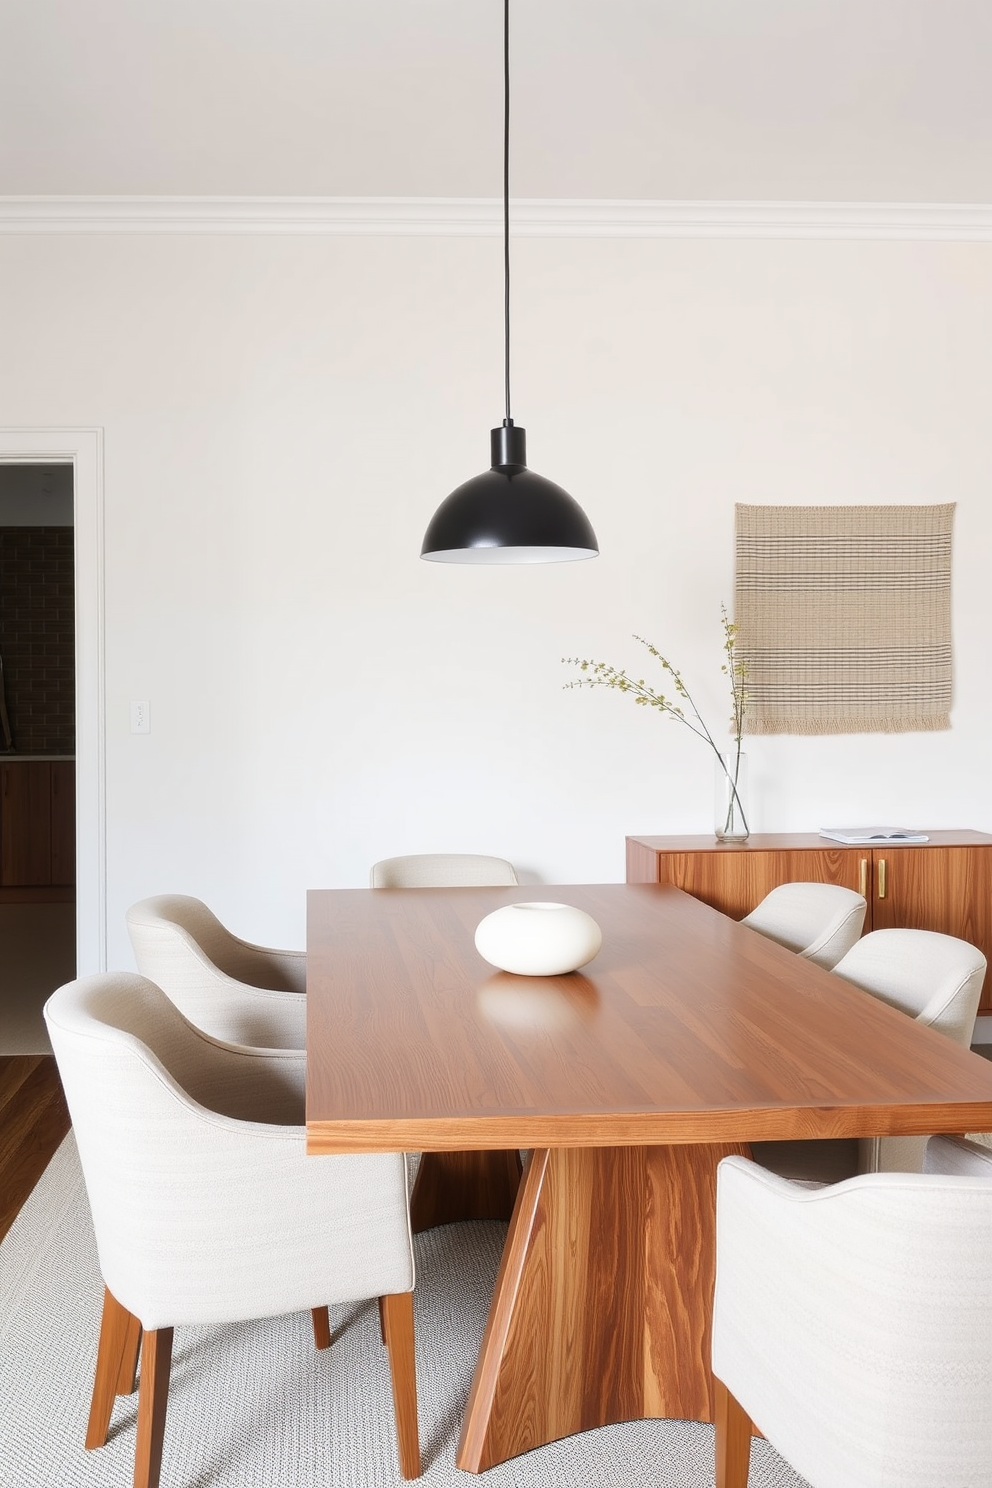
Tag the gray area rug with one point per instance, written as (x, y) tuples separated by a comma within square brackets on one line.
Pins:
[(255, 1406)]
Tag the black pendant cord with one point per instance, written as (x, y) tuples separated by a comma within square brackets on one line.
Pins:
[(506, 203)]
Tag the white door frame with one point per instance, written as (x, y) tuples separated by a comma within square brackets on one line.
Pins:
[(83, 449)]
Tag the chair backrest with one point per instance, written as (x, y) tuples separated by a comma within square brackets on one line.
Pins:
[(819, 921), (234, 990), (441, 871), (935, 978), (205, 1205), (159, 918), (124, 1019)]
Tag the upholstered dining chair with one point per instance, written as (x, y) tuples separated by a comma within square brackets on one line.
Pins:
[(442, 871), (852, 1324), (205, 1205), (936, 979), (818, 920), (236, 991)]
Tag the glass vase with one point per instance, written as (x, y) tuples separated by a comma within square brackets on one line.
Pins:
[(730, 797)]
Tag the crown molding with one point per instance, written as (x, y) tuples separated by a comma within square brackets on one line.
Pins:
[(482, 217)]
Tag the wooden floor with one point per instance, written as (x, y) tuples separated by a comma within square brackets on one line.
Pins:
[(33, 1121)]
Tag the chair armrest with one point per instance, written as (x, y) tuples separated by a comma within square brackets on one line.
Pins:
[(952, 1011), (957, 1155), (236, 1011), (266, 1015), (244, 1084), (239, 1210), (290, 967)]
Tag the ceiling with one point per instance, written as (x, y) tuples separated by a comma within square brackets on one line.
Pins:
[(777, 100)]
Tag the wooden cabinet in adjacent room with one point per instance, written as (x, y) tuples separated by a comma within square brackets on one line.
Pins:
[(944, 884), (37, 824), (63, 827)]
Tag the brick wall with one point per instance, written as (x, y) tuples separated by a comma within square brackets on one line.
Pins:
[(37, 637)]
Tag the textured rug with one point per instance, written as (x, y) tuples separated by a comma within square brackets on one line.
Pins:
[(254, 1404), (844, 616)]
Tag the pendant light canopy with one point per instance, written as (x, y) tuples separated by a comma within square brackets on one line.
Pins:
[(508, 514)]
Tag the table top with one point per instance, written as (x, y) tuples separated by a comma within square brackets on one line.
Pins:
[(687, 1027)]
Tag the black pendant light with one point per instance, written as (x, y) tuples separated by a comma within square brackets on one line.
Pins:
[(509, 514)]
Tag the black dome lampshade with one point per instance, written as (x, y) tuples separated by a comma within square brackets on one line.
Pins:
[(509, 514)]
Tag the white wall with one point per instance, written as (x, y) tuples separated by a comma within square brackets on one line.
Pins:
[(281, 417)]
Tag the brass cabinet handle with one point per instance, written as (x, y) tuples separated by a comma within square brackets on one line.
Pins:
[(863, 879), (881, 878)]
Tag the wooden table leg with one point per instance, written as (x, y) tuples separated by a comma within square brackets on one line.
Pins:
[(603, 1302), (464, 1185)]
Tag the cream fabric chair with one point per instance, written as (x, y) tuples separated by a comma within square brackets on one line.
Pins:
[(441, 871), (236, 991), (205, 1205), (936, 979), (853, 1324), (820, 921)]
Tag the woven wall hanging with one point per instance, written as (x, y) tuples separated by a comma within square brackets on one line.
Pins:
[(844, 617)]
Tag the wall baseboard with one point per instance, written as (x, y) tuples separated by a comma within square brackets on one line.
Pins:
[(482, 217)]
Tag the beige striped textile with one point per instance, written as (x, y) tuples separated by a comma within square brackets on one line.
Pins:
[(844, 618)]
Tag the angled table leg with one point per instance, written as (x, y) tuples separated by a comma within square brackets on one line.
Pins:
[(603, 1302)]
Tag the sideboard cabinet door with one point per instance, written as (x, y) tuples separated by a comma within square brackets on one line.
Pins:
[(935, 888)]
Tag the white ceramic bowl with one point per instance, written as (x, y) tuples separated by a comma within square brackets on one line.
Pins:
[(538, 939)]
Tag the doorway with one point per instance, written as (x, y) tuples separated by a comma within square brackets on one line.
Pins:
[(37, 746), (83, 449)]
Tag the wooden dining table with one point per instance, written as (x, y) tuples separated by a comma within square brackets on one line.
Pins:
[(685, 1039)]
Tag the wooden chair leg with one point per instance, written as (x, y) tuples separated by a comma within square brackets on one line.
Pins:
[(116, 1360), (382, 1323), (127, 1377), (321, 1327), (153, 1397), (733, 1439), (397, 1316)]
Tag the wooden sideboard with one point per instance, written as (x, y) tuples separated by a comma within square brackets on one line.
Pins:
[(944, 884)]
